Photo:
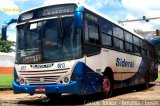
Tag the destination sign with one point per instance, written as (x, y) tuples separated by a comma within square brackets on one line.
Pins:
[(47, 11), (57, 10)]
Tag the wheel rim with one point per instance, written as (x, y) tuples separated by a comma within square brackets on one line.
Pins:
[(106, 85)]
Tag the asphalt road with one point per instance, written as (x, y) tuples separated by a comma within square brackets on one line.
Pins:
[(121, 97)]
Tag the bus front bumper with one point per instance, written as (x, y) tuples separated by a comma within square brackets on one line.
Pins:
[(74, 87)]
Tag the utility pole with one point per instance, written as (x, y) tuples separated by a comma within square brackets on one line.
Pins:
[(143, 19)]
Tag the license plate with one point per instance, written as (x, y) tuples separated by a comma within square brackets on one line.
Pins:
[(40, 89)]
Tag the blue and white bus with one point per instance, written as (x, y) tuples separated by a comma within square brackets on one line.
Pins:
[(69, 48)]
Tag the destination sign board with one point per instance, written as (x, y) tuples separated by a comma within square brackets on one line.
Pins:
[(57, 10), (47, 12)]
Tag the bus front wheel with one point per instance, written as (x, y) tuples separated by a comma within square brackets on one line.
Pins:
[(107, 87)]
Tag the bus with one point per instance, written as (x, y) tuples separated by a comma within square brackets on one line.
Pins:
[(71, 48)]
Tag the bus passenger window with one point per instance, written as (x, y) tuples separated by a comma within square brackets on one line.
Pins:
[(118, 44), (91, 33), (117, 32), (118, 38), (106, 40), (106, 27), (129, 47), (143, 52), (136, 40), (137, 50), (128, 37)]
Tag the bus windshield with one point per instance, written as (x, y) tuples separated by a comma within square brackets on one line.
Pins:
[(48, 41)]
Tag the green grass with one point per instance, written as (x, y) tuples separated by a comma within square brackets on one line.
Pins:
[(6, 80)]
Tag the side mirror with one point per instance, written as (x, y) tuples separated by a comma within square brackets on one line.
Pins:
[(78, 17), (4, 28)]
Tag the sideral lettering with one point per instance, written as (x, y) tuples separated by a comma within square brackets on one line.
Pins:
[(124, 63)]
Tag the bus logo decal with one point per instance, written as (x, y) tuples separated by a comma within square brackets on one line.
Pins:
[(124, 63)]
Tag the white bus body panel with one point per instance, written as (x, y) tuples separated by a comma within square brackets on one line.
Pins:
[(46, 73), (107, 58)]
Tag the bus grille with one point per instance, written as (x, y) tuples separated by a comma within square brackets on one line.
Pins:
[(42, 77)]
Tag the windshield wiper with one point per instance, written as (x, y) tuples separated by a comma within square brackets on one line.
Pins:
[(25, 32), (61, 27), (62, 31)]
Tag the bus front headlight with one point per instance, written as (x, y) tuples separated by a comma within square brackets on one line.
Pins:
[(66, 80), (21, 80)]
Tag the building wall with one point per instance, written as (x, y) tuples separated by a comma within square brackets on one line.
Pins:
[(7, 63)]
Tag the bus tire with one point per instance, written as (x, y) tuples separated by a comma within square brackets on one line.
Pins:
[(53, 96), (107, 87), (147, 81)]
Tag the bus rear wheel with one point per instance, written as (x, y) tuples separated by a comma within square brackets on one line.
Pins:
[(106, 87), (53, 96), (147, 81)]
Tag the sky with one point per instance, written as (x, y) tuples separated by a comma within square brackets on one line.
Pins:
[(118, 10)]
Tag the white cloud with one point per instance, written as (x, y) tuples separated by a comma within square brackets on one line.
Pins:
[(96, 4), (50, 2), (141, 5), (20, 0), (9, 7)]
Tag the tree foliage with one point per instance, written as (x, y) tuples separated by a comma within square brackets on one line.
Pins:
[(6, 46)]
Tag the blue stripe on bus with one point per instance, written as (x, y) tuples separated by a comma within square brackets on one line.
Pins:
[(92, 80)]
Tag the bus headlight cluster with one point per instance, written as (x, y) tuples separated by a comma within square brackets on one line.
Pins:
[(21, 80), (66, 80)]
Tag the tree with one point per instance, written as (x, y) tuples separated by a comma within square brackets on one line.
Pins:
[(6, 46)]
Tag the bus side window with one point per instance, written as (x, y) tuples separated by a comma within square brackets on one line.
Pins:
[(118, 38), (128, 42), (106, 33), (106, 40), (91, 33), (137, 48)]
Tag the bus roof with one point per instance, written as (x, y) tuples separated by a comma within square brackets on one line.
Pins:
[(92, 10)]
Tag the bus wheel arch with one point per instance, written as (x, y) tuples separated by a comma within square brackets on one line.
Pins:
[(107, 84)]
